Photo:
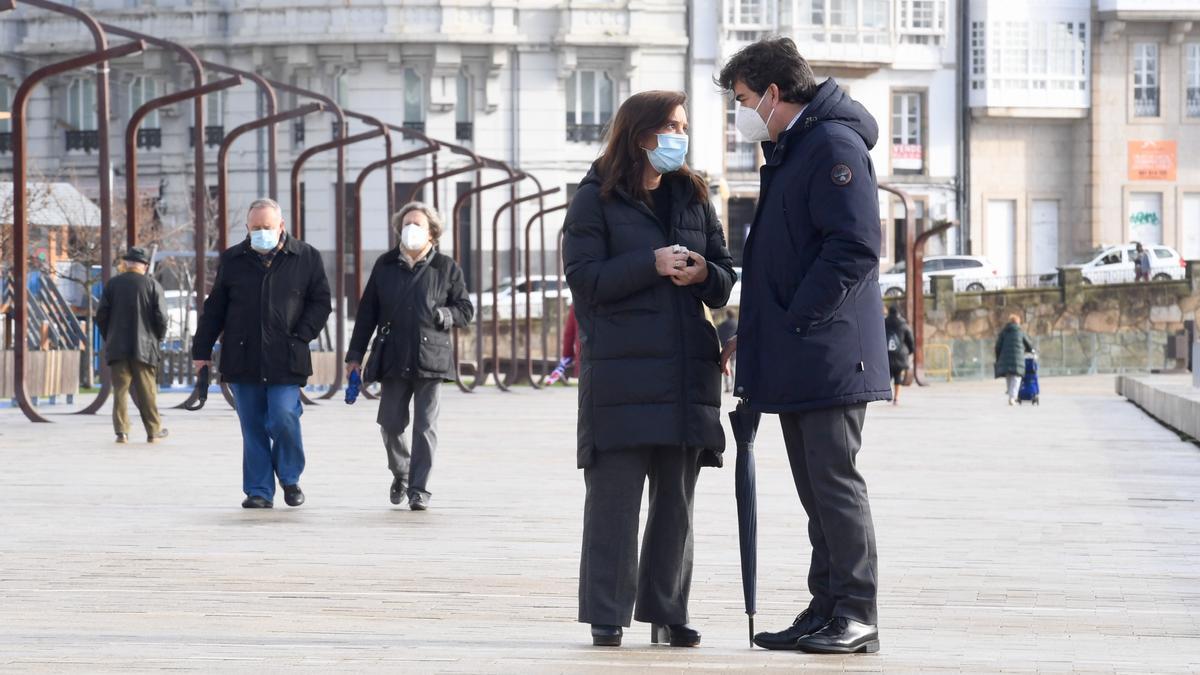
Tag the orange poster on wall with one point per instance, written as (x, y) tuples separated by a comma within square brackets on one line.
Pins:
[(1152, 160)]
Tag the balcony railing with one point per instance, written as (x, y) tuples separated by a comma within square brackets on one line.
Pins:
[(5, 142), (585, 133), (149, 138), (213, 135), (86, 141), (464, 131), (741, 156), (417, 125), (298, 132), (1145, 106), (1193, 102)]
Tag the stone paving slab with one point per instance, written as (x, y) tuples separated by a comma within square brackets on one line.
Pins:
[(1063, 538)]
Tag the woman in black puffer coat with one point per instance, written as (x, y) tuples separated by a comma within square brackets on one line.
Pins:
[(644, 252)]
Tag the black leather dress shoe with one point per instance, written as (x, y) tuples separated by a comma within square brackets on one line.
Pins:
[(256, 502), (677, 635), (807, 622), (293, 495), (606, 636), (399, 487), (418, 501), (841, 636)]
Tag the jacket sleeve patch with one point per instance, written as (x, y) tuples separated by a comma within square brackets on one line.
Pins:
[(841, 175)]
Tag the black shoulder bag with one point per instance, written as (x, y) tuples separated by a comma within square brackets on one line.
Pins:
[(373, 369)]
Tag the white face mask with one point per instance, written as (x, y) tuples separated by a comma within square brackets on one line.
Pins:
[(748, 123), (414, 237)]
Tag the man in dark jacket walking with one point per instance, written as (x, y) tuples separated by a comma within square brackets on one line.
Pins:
[(269, 300), (133, 321), (900, 345), (810, 343)]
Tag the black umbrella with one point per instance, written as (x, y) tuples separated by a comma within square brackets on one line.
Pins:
[(745, 425), (200, 394)]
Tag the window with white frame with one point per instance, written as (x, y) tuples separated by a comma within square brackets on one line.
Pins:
[(1145, 79), (463, 108), (921, 21), (1192, 80), (1029, 56), (214, 109), (590, 102), (141, 90), (751, 14), (978, 55), (843, 21), (414, 100), (6, 101), (739, 155), (81, 104), (908, 120)]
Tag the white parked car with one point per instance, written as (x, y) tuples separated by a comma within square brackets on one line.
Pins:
[(1115, 265), (536, 284), (181, 316), (971, 273)]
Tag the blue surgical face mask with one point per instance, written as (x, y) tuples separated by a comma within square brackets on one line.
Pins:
[(670, 153), (264, 240)]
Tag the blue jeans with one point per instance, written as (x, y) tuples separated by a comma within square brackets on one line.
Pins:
[(271, 443)]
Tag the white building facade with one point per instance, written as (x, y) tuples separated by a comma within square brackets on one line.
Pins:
[(532, 83), (897, 58)]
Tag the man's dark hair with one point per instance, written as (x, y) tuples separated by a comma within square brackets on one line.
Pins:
[(893, 311), (771, 61)]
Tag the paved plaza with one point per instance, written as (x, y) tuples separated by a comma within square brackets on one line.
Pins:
[(1060, 538)]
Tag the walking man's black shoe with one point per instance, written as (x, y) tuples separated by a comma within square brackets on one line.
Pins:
[(399, 487), (606, 636), (293, 495), (418, 501), (677, 635), (841, 636), (256, 502), (807, 623)]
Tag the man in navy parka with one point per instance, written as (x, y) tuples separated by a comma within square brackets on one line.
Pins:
[(810, 341)]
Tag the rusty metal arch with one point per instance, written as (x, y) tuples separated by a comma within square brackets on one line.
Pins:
[(20, 218), (131, 152), (513, 253), (540, 217)]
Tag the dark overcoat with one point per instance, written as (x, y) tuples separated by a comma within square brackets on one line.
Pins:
[(650, 367), (132, 318), (415, 344), (810, 334), (265, 316)]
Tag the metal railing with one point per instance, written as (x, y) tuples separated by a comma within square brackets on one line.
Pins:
[(464, 131), (5, 142), (213, 135), (149, 138), (585, 133), (86, 141)]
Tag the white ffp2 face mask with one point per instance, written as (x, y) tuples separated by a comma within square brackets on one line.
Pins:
[(750, 125), (414, 237)]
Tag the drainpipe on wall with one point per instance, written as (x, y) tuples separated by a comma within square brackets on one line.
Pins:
[(964, 127)]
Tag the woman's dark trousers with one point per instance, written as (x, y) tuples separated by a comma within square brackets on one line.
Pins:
[(610, 576), (393, 418)]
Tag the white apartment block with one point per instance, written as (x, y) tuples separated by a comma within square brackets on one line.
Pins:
[(896, 57)]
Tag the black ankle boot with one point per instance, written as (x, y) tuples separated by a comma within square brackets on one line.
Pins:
[(606, 636), (676, 635)]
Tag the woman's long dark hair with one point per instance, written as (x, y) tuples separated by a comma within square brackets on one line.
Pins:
[(624, 161)]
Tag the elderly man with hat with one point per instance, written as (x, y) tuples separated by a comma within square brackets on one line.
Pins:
[(133, 321)]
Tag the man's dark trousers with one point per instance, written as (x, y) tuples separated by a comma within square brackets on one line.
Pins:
[(822, 446), (271, 442)]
